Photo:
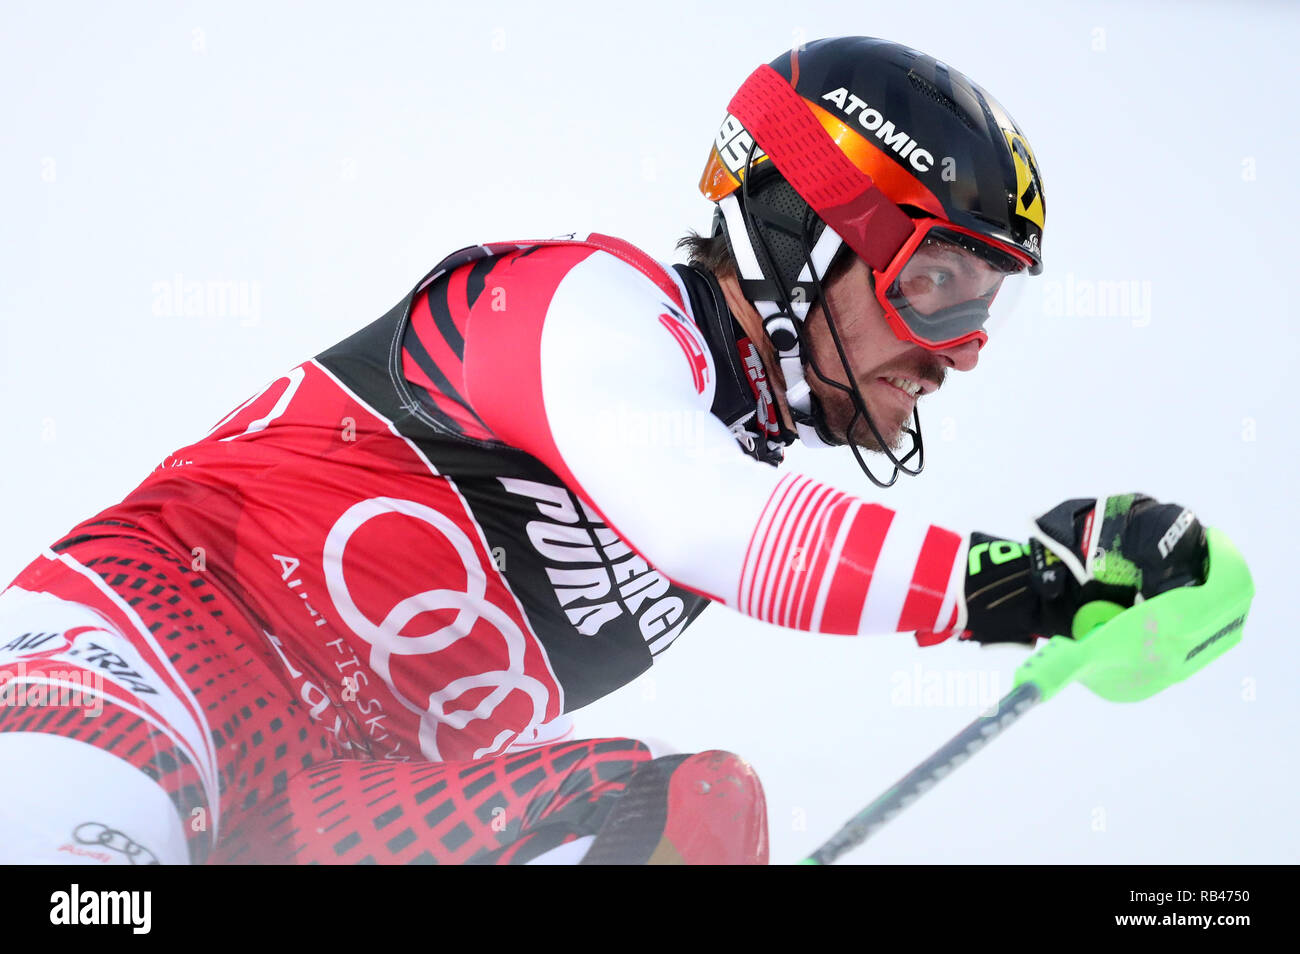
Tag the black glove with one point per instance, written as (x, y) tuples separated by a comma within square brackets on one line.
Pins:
[(1122, 549)]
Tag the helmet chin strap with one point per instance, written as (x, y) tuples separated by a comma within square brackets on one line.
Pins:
[(783, 325), (782, 328)]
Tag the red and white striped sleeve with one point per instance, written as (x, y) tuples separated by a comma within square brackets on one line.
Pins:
[(594, 368), (822, 560)]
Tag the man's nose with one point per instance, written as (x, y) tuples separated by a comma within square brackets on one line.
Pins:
[(963, 357)]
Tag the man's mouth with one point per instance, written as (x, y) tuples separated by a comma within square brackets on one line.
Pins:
[(907, 385)]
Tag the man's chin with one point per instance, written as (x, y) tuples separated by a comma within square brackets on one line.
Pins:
[(839, 415), (864, 438)]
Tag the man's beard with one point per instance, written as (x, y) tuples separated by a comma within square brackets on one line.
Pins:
[(839, 412), (839, 419)]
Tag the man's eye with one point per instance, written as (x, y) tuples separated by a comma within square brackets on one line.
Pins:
[(930, 279)]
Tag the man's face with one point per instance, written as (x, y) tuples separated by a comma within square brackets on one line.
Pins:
[(880, 362)]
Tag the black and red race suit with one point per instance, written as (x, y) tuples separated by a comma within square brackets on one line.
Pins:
[(429, 543)]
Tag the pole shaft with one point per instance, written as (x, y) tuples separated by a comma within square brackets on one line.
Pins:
[(916, 782)]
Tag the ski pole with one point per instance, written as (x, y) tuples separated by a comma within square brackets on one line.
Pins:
[(915, 783), (1122, 655)]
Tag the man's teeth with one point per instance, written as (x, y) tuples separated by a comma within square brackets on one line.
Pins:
[(911, 387)]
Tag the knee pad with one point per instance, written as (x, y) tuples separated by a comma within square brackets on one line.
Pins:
[(706, 808)]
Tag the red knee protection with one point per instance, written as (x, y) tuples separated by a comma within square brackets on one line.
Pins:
[(717, 814), (702, 809)]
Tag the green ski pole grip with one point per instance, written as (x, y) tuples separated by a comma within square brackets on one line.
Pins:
[(1125, 655)]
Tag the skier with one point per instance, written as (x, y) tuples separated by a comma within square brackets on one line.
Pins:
[(349, 623)]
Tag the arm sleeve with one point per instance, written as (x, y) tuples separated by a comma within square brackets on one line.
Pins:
[(609, 384)]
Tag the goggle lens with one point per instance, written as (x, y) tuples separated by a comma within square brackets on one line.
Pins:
[(943, 289)]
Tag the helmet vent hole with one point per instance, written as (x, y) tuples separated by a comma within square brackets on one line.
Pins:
[(943, 99)]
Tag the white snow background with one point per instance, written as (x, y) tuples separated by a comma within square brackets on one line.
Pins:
[(327, 154)]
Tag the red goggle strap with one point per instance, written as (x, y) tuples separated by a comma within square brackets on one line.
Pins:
[(816, 168)]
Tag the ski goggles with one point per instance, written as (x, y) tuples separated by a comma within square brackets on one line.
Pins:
[(938, 288)]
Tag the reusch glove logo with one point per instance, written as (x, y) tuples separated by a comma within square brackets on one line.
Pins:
[(1175, 532)]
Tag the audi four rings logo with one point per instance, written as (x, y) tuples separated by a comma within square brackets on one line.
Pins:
[(388, 644)]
